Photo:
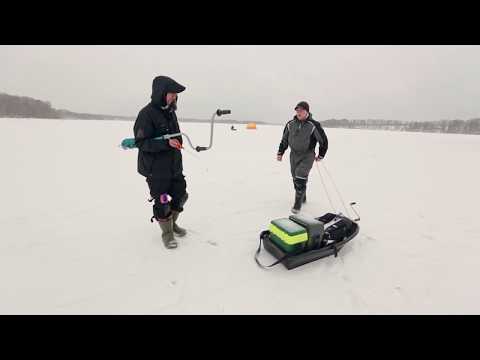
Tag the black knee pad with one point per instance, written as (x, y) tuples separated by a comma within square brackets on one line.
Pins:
[(178, 205), (184, 199), (161, 211)]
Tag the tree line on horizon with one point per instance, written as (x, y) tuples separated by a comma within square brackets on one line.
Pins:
[(471, 126), (27, 107)]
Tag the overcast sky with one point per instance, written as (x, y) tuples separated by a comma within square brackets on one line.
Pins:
[(258, 83)]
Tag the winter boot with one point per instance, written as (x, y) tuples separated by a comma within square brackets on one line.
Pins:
[(300, 193), (177, 229), (167, 233), (298, 202)]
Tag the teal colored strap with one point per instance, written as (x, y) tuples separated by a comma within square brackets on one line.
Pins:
[(129, 143)]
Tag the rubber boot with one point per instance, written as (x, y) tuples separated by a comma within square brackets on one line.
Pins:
[(300, 191), (167, 233), (177, 229), (298, 202)]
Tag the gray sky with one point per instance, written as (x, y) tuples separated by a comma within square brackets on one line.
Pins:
[(258, 83)]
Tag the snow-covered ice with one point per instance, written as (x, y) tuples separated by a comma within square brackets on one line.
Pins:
[(76, 236)]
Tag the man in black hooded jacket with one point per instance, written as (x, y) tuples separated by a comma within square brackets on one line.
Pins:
[(160, 161)]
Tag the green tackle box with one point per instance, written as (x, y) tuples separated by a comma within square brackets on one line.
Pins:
[(288, 235)]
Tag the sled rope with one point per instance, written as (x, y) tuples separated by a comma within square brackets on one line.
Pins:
[(324, 187), (334, 185)]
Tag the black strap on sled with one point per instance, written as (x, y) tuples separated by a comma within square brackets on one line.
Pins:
[(266, 267), (335, 250)]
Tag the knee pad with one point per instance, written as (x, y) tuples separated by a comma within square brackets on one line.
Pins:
[(178, 205), (161, 211), (183, 199)]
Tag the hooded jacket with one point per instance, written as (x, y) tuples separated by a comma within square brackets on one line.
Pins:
[(302, 137), (156, 158)]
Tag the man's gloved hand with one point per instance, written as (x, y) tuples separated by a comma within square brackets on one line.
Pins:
[(175, 144)]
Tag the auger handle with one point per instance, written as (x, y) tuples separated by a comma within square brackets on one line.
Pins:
[(223, 112)]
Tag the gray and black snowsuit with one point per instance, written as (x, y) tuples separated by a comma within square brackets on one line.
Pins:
[(160, 163), (302, 136)]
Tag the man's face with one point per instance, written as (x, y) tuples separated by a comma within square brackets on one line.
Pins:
[(171, 98), (301, 113)]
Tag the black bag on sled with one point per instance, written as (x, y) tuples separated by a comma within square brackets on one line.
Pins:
[(299, 240)]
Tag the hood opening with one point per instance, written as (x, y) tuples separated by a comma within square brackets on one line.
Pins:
[(161, 86)]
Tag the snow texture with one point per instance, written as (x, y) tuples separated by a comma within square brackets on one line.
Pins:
[(76, 236)]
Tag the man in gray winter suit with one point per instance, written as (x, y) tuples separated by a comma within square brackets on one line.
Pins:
[(301, 134)]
